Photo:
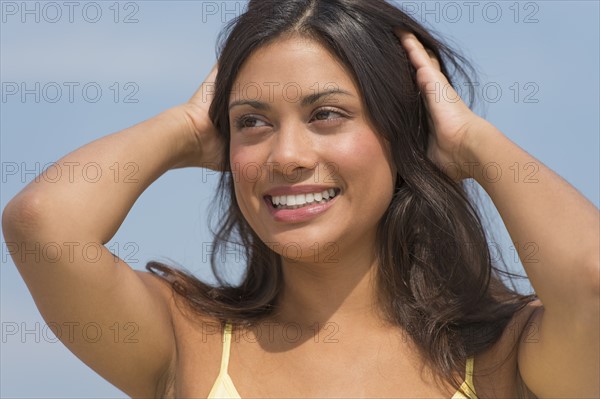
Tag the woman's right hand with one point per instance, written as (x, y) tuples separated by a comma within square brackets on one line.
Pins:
[(205, 136)]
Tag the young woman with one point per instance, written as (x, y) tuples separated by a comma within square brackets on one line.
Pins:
[(344, 149)]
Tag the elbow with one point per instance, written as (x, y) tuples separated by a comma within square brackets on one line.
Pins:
[(22, 216)]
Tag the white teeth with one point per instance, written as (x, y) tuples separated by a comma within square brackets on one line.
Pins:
[(300, 200)]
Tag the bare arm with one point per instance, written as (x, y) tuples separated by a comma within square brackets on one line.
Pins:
[(559, 223), (557, 231), (73, 278)]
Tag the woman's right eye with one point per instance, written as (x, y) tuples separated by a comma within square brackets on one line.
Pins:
[(248, 122)]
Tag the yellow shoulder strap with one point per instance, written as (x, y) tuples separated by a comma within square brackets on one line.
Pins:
[(469, 375), (226, 347)]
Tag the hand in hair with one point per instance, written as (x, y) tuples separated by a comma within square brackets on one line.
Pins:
[(454, 124), (210, 143)]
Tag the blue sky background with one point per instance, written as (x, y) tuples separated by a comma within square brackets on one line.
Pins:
[(545, 51)]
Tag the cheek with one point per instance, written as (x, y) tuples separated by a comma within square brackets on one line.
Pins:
[(249, 174), (243, 163), (372, 189), (365, 156), (244, 169)]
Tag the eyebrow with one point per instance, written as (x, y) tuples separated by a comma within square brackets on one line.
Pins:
[(307, 100)]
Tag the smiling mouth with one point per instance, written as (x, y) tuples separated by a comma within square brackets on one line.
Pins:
[(302, 200)]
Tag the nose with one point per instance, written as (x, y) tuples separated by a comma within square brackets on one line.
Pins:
[(293, 153)]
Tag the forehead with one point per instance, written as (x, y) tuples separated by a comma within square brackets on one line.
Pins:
[(291, 64)]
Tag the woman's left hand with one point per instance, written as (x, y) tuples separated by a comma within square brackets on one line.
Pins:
[(454, 125)]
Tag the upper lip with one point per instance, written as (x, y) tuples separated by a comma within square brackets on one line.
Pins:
[(293, 190)]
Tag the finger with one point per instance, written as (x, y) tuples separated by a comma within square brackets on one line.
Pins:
[(212, 75), (206, 90), (424, 60), (433, 83), (435, 62), (415, 50), (418, 55)]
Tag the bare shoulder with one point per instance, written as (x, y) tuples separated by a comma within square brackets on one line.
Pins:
[(197, 341), (523, 321), (495, 371), (184, 318), (182, 315), (156, 285)]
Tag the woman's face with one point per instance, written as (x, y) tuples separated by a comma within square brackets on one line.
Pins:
[(299, 133)]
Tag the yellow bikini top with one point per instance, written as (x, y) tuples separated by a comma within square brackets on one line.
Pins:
[(223, 387)]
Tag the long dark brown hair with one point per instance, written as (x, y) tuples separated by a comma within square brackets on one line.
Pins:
[(435, 278)]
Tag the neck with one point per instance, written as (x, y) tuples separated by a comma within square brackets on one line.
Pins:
[(338, 289)]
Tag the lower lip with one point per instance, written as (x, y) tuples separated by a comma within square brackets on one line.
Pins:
[(299, 214)]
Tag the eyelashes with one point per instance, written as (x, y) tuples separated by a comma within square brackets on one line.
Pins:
[(243, 122), (250, 121)]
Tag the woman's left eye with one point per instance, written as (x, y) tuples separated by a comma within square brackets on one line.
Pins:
[(327, 115)]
